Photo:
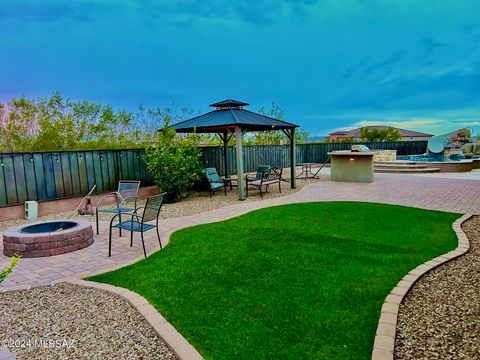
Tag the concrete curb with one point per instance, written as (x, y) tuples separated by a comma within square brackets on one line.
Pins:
[(384, 343), (174, 340)]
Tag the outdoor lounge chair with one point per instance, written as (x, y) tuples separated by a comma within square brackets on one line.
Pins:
[(127, 191), (261, 169), (138, 223), (271, 176), (216, 182)]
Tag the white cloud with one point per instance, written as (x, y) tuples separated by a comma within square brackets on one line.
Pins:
[(428, 125)]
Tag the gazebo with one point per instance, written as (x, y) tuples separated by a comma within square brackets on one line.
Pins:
[(231, 119)]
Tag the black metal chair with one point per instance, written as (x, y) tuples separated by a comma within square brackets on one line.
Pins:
[(138, 223), (269, 177), (127, 191)]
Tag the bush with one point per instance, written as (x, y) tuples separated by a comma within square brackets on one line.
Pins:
[(4, 272), (174, 163)]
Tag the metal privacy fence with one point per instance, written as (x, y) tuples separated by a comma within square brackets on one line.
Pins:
[(278, 155), (45, 176), (54, 175)]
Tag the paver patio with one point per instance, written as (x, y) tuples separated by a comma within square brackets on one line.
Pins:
[(435, 193)]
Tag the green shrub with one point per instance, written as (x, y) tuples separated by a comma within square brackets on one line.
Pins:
[(4, 272), (174, 163)]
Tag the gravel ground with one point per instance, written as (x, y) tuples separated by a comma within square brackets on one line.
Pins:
[(440, 316), (195, 204), (101, 325)]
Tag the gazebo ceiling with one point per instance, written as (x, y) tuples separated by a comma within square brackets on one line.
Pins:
[(228, 115)]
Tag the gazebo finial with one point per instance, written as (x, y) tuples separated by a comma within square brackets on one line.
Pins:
[(229, 104)]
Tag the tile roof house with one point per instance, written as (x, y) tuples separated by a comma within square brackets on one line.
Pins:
[(407, 135)]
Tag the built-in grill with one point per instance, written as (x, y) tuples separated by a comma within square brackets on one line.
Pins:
[(359, 148)]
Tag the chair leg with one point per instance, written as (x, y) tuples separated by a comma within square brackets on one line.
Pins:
[(261, 196), (279, 186), (143, 244), (120, 229), (131, 238), (96, 215), (225, 190), (110, 242), (159, 240)]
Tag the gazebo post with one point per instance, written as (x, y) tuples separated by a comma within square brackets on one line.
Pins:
[(225, 139), (293, 160), (238, 146)]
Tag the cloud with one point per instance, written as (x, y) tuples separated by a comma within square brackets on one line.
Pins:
[(387, 63), (259, 12), (429, 125), (436, 90), (430, 44), (383, 67), (49, 10)]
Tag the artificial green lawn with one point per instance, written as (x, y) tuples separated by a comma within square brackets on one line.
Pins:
[(289, 282)]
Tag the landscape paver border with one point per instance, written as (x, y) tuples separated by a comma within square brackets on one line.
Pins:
[(172, 338), (384, 343)]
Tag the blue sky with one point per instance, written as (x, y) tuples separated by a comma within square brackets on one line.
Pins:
[(330, 64)]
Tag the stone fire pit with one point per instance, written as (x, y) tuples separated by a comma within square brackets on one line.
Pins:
[(47, 238)]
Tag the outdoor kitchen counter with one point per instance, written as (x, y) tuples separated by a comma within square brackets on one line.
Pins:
[(352, 166)]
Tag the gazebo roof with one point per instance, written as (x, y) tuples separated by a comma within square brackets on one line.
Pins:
[(228, 115), (229, 103)]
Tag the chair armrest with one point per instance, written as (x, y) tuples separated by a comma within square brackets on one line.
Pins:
[(137, 216), (104, 197), (136, 210), (135, 197)]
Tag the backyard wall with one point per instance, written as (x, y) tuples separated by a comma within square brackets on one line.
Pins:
[(45, 176), (278, 155)]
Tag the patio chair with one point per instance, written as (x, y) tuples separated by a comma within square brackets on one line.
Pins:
[(261, 169), (127, 191), (138, 223), (215, 181), (269, 177)]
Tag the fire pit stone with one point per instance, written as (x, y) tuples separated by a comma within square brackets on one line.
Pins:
[(47, 238)]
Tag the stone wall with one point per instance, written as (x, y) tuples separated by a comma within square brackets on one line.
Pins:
[(385, 155), (30, 245)]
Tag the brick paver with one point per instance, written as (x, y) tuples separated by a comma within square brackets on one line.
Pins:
[(436, 193)]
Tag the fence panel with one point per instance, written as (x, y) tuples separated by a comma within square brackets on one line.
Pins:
[(279, 155), (45, 176)]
